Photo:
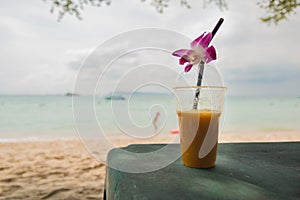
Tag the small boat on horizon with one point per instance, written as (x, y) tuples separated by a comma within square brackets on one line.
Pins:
[(115, 97), (69, 94)]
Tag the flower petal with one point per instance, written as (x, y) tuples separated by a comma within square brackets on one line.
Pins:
[(180, 52), (205, 40), (197, 40), (188, 68), (210, 54), (182, 60)]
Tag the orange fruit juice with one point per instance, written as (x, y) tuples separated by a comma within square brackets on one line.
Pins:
[(199, 137)]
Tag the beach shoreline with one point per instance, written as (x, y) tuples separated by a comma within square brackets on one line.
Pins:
[(63, 169)]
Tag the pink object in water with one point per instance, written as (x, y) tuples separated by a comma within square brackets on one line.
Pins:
[(174, 131)]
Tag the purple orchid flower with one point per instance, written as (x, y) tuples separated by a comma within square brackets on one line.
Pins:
[(199, 52)]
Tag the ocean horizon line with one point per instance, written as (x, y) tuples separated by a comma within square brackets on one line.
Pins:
[(130, 93)]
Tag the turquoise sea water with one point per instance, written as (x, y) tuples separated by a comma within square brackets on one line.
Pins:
[(52, 116)]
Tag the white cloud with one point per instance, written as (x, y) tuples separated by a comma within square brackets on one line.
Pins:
[(37, 51)]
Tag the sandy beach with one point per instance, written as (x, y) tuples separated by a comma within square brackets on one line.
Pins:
[(49, 170), (65, 170)]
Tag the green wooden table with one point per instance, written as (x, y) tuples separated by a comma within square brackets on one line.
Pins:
[(243, 171)]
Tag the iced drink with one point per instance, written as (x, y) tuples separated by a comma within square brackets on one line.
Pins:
[(199, 117), (199, 137)]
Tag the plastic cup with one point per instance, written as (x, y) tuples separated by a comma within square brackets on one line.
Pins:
[(199, 123)]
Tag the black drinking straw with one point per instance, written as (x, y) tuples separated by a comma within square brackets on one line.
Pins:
[(201, 66)]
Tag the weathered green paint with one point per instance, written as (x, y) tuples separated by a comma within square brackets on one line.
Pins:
[(243, 171)]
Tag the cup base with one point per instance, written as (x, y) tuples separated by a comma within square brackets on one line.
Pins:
[(199, 166), (190, 158)]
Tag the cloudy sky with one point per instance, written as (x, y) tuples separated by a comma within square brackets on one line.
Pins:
[(39, 55)]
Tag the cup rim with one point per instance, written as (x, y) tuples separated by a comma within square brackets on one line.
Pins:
[(200, 87)]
